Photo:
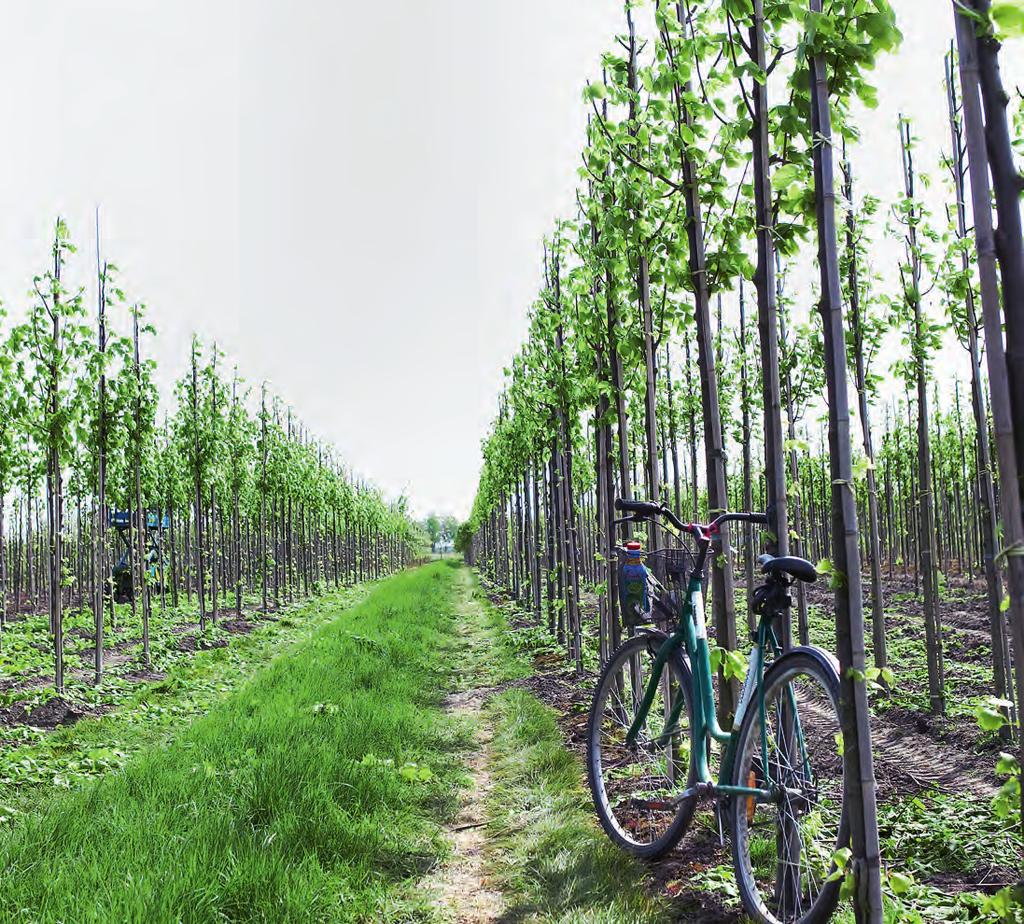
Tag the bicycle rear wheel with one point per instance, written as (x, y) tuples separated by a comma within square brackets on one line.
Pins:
[(783, 850), (636, 788)]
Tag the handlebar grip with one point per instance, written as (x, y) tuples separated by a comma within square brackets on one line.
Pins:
[(644, 508), (650, 509)]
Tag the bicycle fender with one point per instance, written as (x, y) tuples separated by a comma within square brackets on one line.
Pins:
[(657, 638), (827, 660)]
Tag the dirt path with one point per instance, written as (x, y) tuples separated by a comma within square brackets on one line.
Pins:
[(460, 889)]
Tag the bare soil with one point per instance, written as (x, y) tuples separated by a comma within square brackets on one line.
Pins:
[(460, 888), (55, 712), (60, 711), (198, 643)]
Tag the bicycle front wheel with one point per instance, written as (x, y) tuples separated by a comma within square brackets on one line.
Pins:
[(783, 849), (636, 787)]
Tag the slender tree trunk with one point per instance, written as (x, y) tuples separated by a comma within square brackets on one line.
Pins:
[(673, 436), (691, 422), (998, 373), (984, 484), (859, 775), (723, 602), (878, 639), (926, 522), (175, 577), (767, 308), (263, 495), (3, 558), (643, 281), (748, 488), (102, 578), (1007, 186), (140, 516), (198, 497), (54, 484)]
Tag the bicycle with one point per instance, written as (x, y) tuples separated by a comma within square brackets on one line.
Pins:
[(653, 727)]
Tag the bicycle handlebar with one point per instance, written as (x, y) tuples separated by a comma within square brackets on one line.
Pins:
[(700, 531)]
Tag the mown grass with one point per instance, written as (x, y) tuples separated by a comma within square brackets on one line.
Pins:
[(549, 856), (312, 793), (489, 652)]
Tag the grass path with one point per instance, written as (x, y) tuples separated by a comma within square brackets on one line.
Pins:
[(314, 792), (37, 765), (539, 856), (461, 890)]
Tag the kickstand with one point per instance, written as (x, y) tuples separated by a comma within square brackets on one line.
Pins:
[(719, 808)]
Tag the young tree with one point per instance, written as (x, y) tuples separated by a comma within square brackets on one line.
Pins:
[(9, 426), (239, 440), (858, 776), (54, 341), (865, 333), (959, 291), (923, 339), (143, 423), (104, 273), (193, 434), (1003, 419)]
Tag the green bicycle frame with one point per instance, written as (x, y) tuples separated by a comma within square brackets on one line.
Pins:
[(691, 634)]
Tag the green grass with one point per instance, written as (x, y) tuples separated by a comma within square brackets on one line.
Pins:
[(488, 652), (35, 765), (551, 859), (311, 793)]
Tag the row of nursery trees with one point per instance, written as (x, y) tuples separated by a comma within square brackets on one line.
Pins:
[(678, 349), (244, 499)]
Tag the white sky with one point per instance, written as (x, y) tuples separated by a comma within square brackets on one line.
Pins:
[(349, 197)]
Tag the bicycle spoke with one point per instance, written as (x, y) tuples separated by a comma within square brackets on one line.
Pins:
[(639, 783)]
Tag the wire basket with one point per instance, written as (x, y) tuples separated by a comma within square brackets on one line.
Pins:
[(653, 595), (671, 566)]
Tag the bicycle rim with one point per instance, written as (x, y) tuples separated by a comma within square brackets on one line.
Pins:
[(636, 788)]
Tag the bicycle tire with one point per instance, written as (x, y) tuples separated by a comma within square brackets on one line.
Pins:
[(817, 664), (642, 647)]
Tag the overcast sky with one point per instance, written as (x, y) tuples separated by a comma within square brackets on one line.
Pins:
[(349, 197)]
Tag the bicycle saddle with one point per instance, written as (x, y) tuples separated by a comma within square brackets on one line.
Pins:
[(799, 568)]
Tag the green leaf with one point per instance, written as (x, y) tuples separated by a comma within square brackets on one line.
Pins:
[(840, 860), (1007, 765), (900, 883), (1001, 904), (989, 718), (1008, 15), (785, 176)]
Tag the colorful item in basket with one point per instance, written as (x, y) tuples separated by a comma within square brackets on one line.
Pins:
[(633, 592)]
